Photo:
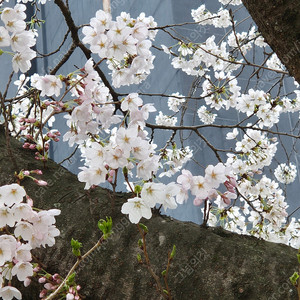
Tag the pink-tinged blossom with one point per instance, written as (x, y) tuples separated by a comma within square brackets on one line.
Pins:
[(148, 167), (22, 270), (169, 193), (20, 41), (117, 157), (141, 149), (92, 176), (136, 208), (25, 230), (4, 37), (22, 211), (21, 60), (200, 187), (49, 85), (185, 179), (131, 102), (214, 175), (22, 253), (5, 253), (70, 296), (11, 194), (126, 138), (152, 193), (140, 31), (182, 196), (6, 217), (10, 292)]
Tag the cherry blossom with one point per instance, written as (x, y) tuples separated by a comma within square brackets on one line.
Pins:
[(136, 208)]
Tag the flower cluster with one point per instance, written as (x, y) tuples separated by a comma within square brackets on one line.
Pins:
[(206, 116), (169, 195), (263, 213), (31, 230), (126, 148), (286, 173), (94, 111), (33, 116), (125, 43), (175, 102), (165, 120), (256, 152), (205, 187), (15, 35), (175, 159)]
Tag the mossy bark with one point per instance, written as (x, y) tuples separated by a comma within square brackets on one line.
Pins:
[(279, 23), (210, 263)]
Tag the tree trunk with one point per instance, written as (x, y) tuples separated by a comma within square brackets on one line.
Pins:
[(279, 23), (210, 263)]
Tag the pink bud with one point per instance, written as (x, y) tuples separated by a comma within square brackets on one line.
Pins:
[(26, 172), (37, 171), (42, 280), (27, 282), (26, 145), (48, 286), (32, 146), (56, 276), (22, 127), (31, 120), (41, 182), (43, 293), (111, 173), (36, 269)]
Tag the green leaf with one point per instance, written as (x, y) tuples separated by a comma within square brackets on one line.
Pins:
[(140, 243), (144, 227), (76, 245), (298, 256), (173, 252), (125, 172), (71, 279), (137, 189), (105, 227), (1, 51), (164, 272), (294, 278), (139, 258)]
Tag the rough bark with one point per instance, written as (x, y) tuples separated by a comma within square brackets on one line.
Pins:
[(209, 263), (279, 23)]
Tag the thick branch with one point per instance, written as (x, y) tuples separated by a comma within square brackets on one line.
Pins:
[(279, 23)]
